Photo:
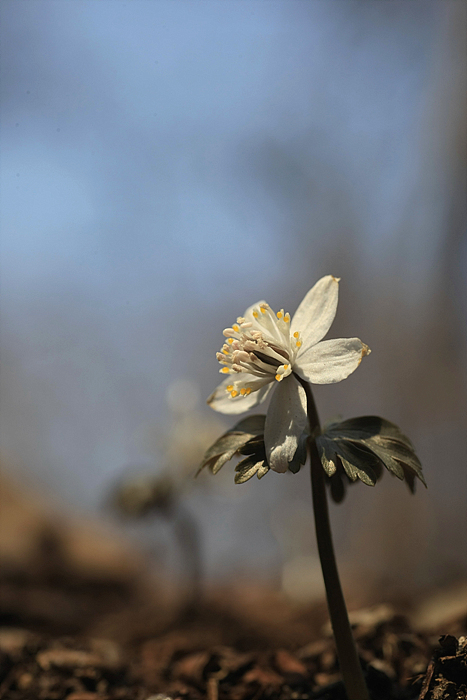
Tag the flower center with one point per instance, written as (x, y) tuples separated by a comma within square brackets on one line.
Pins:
[(258, 350)]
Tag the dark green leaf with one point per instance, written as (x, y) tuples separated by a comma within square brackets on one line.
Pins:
[(223, 449), (248, 468), (231, 442), (384, 444), (357, 461), (247, 438), (253, 446), (400, 452), (327, 453), (367, 427), (386, 457), (395, 457), (225, 442)]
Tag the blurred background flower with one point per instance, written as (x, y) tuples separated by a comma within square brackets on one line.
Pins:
[(166, 163)]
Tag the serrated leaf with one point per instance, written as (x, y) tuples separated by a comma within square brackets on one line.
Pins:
[(383, 440), (247, 438), (262, 471), (327, 454), (248, 468), (395, 456), (402, 453), (357, 461), (231, 442), (253, 446), (217, 464), (370, 426), (223, 449), (225, 442), (387, 458)]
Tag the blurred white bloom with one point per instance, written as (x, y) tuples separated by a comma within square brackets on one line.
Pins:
[(266, 351)]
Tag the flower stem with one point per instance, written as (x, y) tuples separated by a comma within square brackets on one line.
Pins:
[(346, 650)]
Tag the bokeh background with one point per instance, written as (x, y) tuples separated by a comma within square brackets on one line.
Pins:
[(167, 163)]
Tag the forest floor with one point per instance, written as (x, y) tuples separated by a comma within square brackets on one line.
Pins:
[(81, 619)]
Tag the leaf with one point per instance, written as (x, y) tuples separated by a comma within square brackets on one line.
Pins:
[(399, 452), (370, 426), (387, 458), (327, 454), (223, 449), (248, 467), (360, 447), (357, 461), (253, 446), (232, 441)]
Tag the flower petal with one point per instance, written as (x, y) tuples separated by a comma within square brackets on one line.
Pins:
[(285, 421), (220, 400), (316, 312), (331, 360)]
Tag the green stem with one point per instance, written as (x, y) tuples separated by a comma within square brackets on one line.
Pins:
[(346, 650)]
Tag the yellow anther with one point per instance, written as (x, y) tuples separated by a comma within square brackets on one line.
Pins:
[(233, 393), (247, 391), (229, 387), (287, 318), (298, 343), (279, 314), (279, 377), (225, 370), (225, 351), (255, 314), (286, 367), (263, 309), (243, 391), (236, 328), (230, 341), (296, 334)]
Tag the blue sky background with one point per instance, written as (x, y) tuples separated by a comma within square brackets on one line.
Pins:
[(165, 164)]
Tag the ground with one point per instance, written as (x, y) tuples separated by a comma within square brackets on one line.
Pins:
[(82, 618)]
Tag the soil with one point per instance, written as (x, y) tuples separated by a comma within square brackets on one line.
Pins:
[(82, 618)]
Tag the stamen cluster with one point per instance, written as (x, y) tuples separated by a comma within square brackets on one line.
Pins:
[(261, 347)]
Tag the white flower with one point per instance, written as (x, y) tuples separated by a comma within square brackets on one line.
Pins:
[(266, 353)]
